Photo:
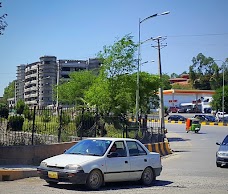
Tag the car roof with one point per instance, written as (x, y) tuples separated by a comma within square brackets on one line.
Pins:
[(113, 138)]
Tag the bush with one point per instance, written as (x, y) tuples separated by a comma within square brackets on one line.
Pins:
[(4, 112), (16, 123)]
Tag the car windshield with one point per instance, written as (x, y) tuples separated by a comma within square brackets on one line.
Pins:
[(90, 147), (225, 141)]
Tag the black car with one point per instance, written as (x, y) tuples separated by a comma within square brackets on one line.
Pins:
[(176, 118), (222, 153), (207, 118)]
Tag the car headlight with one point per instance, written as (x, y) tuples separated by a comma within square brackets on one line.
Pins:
[(221, 154), (43, 164), (74, 167)]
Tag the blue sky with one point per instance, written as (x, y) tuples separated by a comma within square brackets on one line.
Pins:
[(78, 29)]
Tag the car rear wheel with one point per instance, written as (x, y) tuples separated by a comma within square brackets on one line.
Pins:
[(94, 180), (148, 176)]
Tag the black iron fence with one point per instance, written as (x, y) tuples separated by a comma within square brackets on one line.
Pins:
[(46, 126)]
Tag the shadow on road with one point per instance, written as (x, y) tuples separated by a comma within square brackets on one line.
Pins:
[(111, 186), (172, 139)]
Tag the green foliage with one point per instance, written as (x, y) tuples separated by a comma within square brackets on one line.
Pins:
[(217, 99), (64, 118), (9, 92), (204, 73), (28, 114), (20, 106), (73, 91), (46, 116), (4, 111), (16, 123)]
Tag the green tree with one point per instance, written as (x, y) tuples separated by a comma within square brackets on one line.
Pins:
[(4, 111), (111, 86), (218, 99), (3, 23), (72, 92), (9, 92), (114, 89), (204, 73), (20, 106)]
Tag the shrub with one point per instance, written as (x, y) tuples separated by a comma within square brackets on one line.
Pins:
[(16, 123)]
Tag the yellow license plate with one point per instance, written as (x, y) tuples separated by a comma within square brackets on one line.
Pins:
[(52, 175)]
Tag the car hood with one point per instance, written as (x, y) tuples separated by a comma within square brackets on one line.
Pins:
[(223, 148), (65, 159)]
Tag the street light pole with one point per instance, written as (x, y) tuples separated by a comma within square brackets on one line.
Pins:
[(139, 60), (223, 85)]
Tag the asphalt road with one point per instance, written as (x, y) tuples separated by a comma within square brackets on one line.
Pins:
[(190, 169)]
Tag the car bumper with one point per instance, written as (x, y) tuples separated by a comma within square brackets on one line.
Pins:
[(62, 175), (157, 171), (222, 161)]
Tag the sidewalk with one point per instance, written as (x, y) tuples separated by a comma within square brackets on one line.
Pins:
[(14, 172)]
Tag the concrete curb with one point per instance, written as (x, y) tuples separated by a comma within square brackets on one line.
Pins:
[(14, 173)]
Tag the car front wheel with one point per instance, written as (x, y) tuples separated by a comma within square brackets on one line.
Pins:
[(148, 176), (94, 180), (218, 165)]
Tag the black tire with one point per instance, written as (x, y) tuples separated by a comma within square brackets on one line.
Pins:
[(94, 180), (52, 183), (218, 165), (148, 176)]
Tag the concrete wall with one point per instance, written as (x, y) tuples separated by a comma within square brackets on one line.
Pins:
[(30, 155)]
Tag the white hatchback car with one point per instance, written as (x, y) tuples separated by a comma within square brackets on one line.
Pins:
[(95, 161)]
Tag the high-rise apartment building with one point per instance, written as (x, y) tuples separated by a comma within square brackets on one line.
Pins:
[(36, 81)]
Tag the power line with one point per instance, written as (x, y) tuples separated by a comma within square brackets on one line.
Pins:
[(192, 35)]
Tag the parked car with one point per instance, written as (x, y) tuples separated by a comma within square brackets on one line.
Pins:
[(222, 153), (182, 110), (176, 118), (173, 109), (207, 118), (221, 115), (95, 161)]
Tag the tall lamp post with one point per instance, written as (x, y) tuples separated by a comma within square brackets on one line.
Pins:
[(139, 60), (223, 84)]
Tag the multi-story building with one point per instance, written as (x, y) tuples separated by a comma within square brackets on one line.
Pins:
[(36, 81)]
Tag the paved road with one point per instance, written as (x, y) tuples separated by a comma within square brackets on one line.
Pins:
[(191, 169)]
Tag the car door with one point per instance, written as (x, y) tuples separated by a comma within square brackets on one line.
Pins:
[(118, 167), (138, 159)]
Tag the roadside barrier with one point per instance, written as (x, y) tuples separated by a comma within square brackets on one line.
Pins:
[(163, 148)]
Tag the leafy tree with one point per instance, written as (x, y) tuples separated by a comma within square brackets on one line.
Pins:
[(3, 24), (217, 99), (165, 82), (72, 92), (111, 86), (20, 106), (174, 75), (4, 111), (9, 92), (115, 88), (204, 73)]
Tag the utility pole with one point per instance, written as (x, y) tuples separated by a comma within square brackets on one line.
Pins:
[(161, 99)]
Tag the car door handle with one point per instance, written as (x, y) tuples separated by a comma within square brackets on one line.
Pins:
[(145, 160), (126, 162)]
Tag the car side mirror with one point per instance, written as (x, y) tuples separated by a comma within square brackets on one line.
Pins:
[(217, 143), (112, 155)]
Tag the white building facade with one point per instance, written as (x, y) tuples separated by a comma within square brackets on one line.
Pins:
[(36, 81), (179, 98)]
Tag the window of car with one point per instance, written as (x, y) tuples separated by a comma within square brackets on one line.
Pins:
[(120, 149), (135, 149), (90, 147)]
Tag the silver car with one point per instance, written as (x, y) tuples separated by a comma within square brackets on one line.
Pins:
[(222, 153)]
